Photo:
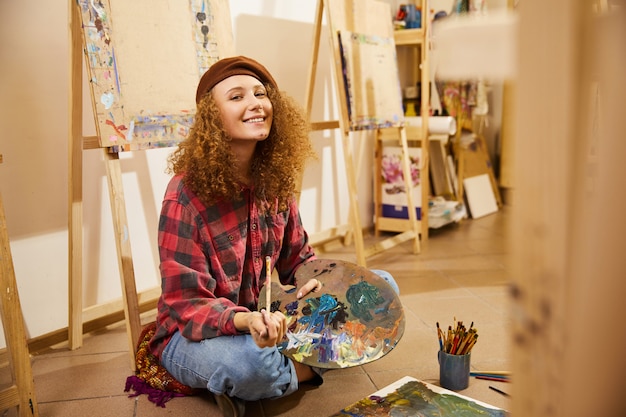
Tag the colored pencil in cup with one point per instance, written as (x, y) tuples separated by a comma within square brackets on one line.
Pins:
[(458, 340), (440, 336)]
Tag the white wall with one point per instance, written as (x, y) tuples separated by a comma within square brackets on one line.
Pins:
[(34, 85)]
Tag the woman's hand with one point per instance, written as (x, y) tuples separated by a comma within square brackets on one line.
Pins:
[(267, 329), (313, 285)]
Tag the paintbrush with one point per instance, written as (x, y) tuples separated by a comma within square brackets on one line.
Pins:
[(268, 283), (499, 391), (439, 336)]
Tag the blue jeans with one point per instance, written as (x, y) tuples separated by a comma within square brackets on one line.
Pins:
[(235, 365), (232, 365)]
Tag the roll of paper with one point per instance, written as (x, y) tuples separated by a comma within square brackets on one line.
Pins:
[(436, 124)]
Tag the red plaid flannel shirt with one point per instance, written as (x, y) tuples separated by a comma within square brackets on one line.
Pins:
[(213, 260)]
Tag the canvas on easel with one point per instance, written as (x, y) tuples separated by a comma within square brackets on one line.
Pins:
[(369, 94), (368, 60), (143, 60)]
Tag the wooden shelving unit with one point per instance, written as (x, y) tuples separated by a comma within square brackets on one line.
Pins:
[(414, 45)]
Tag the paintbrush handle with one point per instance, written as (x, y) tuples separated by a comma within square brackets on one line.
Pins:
[(268, 283)]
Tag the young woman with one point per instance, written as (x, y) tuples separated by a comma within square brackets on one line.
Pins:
[(231, 203)]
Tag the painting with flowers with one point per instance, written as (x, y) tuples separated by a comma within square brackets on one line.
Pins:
[(393, 188)]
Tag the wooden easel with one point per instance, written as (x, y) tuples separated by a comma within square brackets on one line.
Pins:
[(341, 16), (21, 392), (462, 153), (103, 313), (132, 303)]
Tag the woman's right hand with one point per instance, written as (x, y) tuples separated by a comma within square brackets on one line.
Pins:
[(267, 329)]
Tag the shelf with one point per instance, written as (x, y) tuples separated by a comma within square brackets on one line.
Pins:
[(413, 45), (408, 37), (412, 133)]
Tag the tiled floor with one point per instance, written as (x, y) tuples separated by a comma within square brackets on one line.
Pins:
[(461, 272)]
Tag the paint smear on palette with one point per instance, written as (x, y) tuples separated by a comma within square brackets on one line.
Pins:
[(410, 397), (356, 318)]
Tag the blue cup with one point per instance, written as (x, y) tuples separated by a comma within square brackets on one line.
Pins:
[(454, 371)]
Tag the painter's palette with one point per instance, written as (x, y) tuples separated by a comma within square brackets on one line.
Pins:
[(356, 318)]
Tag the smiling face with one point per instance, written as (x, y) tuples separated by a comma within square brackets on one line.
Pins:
[(245, 108)]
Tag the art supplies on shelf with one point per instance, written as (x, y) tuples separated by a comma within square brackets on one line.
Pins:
[(458, 340), (442, 212)]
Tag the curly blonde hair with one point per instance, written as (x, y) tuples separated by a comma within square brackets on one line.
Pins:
[(208, 164)]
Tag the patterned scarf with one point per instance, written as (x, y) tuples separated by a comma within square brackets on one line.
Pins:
[(151, 377)]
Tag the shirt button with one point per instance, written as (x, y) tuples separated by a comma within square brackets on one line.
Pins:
[(257, 259), (253, 226), (231, 238)]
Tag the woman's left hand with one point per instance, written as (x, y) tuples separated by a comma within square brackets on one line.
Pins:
[(313, 285)]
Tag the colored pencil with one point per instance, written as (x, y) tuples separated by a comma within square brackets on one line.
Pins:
[(455, 343), (470, 344), (504, 373), (464, 342), (490, 374), (499, 391), (491, 378), (268, 283)]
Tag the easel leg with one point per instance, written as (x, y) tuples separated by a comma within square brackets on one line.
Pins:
[(459, 156), (378, 184), (22, 392), (482, 144), (317, 28), (408, 184), (75, 189), (122, 241), (75, 262), (347, 241), (354, 203)]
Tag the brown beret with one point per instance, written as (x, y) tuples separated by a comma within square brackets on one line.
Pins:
[(227, 67)]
